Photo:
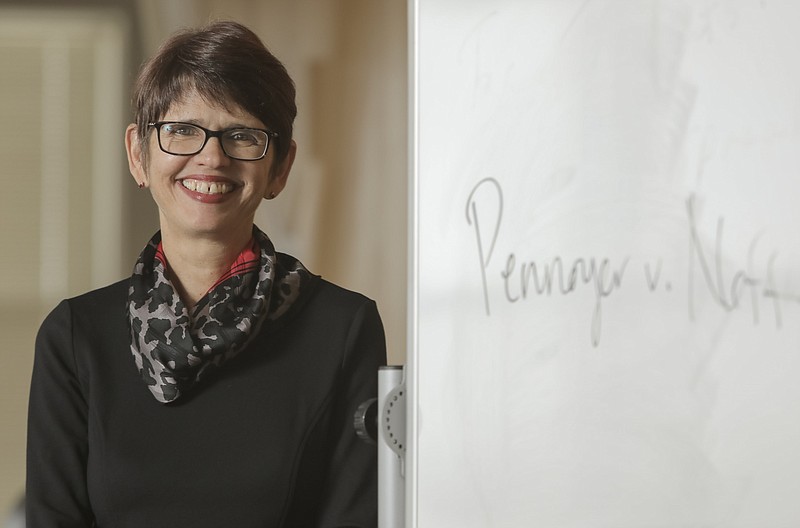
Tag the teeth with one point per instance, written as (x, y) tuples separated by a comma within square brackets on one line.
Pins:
[(207, 188)]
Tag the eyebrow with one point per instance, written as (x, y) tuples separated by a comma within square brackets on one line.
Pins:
[(198, 123)]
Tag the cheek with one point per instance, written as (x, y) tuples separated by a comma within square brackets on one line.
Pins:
[(261, 179), (162, 168)]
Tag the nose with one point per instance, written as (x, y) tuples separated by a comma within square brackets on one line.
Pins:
[(212, 153)]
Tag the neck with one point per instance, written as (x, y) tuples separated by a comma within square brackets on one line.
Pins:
[(195, 264)]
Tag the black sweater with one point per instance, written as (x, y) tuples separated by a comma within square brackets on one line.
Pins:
[(267, 442)]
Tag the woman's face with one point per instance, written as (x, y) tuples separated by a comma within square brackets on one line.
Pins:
[(206, 194)]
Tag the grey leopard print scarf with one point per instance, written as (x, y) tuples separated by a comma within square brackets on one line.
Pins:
[(175, 348)]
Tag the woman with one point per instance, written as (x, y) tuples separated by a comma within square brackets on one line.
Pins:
[(217, 385)]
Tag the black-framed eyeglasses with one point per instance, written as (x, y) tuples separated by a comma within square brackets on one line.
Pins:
[(186, 139)]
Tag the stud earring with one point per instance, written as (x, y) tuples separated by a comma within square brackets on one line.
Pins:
[(271, 195), (141, 185)]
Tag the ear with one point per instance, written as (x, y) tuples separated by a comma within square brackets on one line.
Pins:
[(136, 162), (279, 173)]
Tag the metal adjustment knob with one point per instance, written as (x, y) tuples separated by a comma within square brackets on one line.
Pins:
[(365, 421)]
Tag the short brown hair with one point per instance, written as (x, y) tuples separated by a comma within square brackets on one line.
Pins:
[(224, 62)]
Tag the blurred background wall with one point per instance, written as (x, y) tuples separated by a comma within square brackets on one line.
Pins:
[(71, 218)]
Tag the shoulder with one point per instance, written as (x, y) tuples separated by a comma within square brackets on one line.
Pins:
[(332, 305), (113, 294), (324, 295), (60, 349), (91, 309), (335, 315), (333, 295), (347, 317)]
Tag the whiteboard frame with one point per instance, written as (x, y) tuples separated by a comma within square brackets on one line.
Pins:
[(412, 417)]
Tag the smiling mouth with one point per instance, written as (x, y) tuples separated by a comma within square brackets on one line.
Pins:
[(207, 187)]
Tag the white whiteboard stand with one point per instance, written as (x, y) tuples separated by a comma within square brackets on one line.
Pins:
[(391, 447)]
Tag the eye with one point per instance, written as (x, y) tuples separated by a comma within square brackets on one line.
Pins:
[(180, 130), (246, 136)]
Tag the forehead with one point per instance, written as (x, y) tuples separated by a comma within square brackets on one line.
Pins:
[(194, 107)]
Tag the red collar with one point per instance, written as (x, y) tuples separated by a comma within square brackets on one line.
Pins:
[(245, 262)]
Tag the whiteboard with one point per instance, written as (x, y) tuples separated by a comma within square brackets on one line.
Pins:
[(605, 270)]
